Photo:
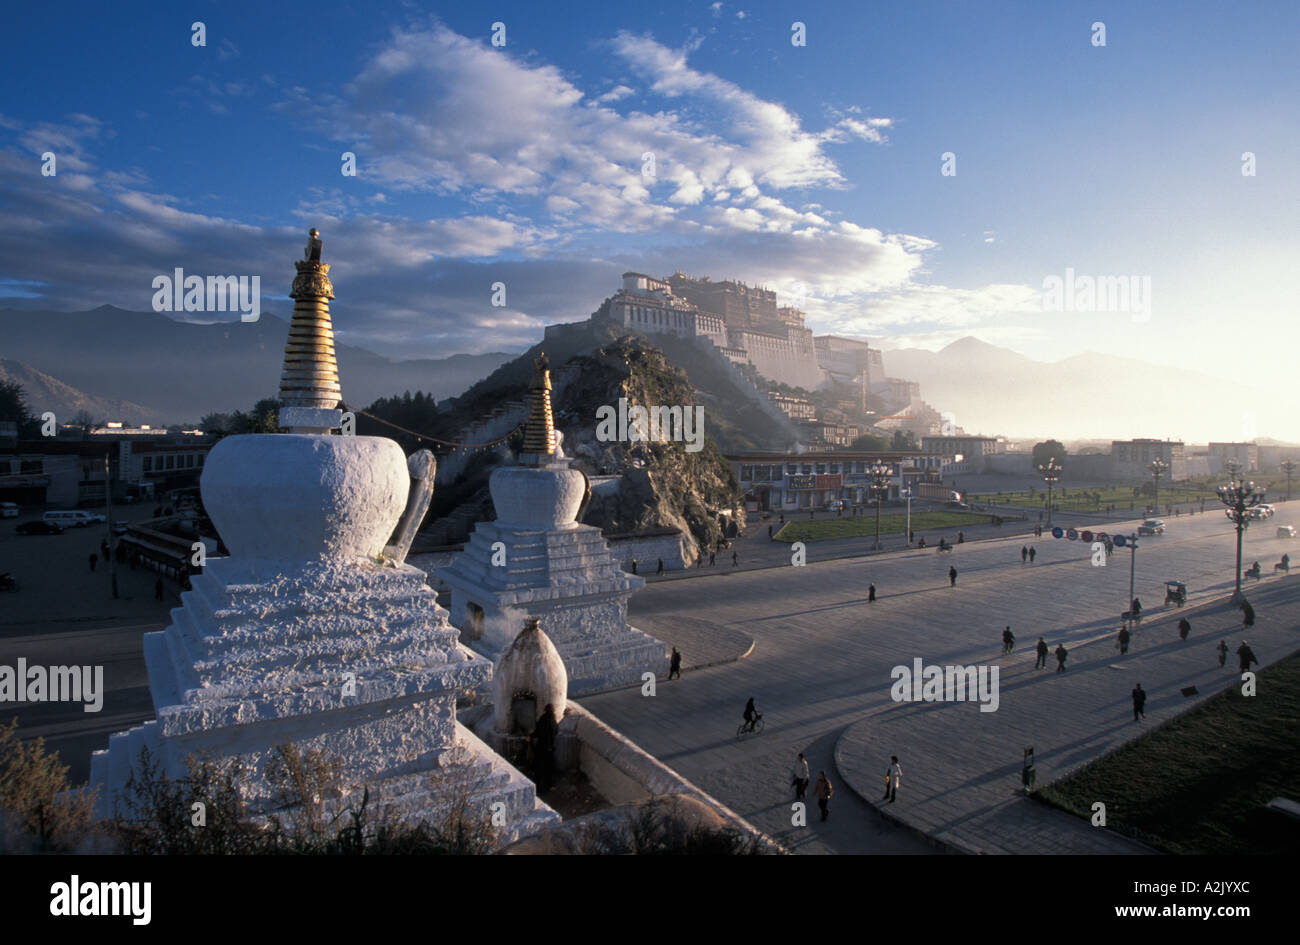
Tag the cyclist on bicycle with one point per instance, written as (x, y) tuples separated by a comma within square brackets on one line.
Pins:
[(752, 715)]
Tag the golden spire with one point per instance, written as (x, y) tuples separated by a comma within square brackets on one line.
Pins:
[(539, 430), (311, 373)]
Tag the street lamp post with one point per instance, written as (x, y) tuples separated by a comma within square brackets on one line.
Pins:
[(907, 494), (112, 545), (879, 486), (1051, 473), (1288, 469), (1238, 497), (1158, 468), (1132, 571)]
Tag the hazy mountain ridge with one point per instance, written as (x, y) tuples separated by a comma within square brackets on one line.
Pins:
[(993, 390), (181, 371), (43, 393)]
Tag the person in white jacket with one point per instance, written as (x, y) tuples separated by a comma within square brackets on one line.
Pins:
[(800, 777), (893, 778)]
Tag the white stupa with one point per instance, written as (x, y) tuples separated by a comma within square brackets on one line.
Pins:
[(536, 561), (314, 631)]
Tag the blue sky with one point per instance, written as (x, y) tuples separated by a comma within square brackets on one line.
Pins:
[(814, 170)]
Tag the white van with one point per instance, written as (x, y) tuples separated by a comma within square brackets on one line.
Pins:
[(70, 518), (8, 510)]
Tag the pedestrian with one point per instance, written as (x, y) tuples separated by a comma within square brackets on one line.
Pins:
[(1061, 654), (1223, 651), (1124, 637), (1245, 656), (544, 747), (1136, 610), (871, 593), (1008, 640), (1184, 628), (1247, 612), (961, 538), (92, 559), (823, 792), (769, 532), (893, 778), (800, 777), (713, 558), (661, 567), (1024, 554), (735, 558), (1139, 702), (1042, 654), (675, 665), (952, 577), (1033, 553), (634, 565), (158, 589)]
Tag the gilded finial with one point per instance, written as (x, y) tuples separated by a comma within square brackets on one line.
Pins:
[(539, 431)]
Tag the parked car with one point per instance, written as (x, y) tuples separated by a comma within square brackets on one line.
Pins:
[(834, 505), (1152, 526), (40, 527), (73, 518), (8, 510), (1286, 531)]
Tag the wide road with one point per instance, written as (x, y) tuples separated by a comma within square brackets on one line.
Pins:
[(823, 655)]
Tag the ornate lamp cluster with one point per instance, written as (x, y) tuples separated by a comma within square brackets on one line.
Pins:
[(1158, 468), (1051, 473), (1238, 497), (879, 479)]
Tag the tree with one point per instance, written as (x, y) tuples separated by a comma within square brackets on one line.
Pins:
[(870, 443), (903, 440), (1048, 449), (13, 407), (85, 420)]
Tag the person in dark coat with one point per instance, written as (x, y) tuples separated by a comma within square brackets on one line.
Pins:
[(544, 734), (1246, 656), (952, 577), (1024, 553), (1008, 640), (661, 567), (735, 558), (1042, 654), (1223, 651), (1139, 702), (1247, 614), (675, 665), (823, 792), (634, 565), (1124, 637), (1136, 610), (1061, 654), (1033, 553), (871, 593), (1184, 628)]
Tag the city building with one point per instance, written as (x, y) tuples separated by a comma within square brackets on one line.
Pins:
[(782, 482), (1132, 459), (1246, 455)]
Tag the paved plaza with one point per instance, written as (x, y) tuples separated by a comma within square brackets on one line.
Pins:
[(821, 672)]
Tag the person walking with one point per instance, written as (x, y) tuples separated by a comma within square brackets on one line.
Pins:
[(1245, 656), (1042, 654), (634, 565), (800, 777), (675, 665), (871, 593), (1223, 652), (1008, 640), (823, 792), (893, 778), (1024, 554), (1033, 553), (735, 559), (1061, 654), (660, 569), (1139, 702), (1184, 628), (952, 577), (769, 533), (92, 559), (1136, 610), (1247, 612), (1124, 637)]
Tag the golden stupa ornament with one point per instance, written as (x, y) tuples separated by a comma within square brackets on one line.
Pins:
[(539, 430), (311, 372)]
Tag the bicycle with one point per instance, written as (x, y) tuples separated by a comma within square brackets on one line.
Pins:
[(746, 729)]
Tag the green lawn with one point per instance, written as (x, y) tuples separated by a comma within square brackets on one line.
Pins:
[(890, 524), (1198, 783), (1091, 500)]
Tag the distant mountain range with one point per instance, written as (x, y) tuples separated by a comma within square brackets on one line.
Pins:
[(146, 367), (992, 390)]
